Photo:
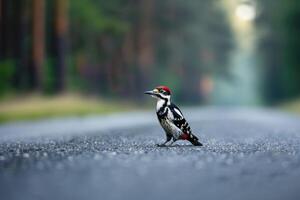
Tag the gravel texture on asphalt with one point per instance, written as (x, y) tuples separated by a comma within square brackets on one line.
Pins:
[(247, 154)]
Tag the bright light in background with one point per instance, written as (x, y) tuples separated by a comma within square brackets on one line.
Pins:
[(245, 12), (243, 61)]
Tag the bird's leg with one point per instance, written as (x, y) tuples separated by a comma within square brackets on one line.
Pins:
[(169, 137), (163, 144), (174, 140), (171, 143)]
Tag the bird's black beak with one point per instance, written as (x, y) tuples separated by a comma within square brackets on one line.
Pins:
[(149, 92)]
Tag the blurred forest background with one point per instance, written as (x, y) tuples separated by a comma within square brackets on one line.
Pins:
[(224, 52)]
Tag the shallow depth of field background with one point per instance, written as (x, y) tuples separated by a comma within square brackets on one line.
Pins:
[(74, 57)]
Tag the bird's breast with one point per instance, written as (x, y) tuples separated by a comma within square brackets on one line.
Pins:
[(170, 128)]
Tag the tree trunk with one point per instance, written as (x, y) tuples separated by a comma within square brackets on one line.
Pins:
[(146, 58), (38, 40), (19, 42), (60, 43), (1, 29), (6, 30), (129, 56), (145, 41)]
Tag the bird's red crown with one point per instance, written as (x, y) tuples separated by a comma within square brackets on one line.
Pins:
[(165, 88)]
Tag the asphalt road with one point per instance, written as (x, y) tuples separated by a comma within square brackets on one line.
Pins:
[(247, 154)]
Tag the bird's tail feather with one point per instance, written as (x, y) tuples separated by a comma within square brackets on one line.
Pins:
[(194, 140)]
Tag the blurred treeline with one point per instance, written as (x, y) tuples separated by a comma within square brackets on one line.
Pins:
[(279, 48), (119, 48), (114, 48)]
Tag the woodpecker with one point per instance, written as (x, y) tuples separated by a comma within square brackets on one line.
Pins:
[(171, 118)]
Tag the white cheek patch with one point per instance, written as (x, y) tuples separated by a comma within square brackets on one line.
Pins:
[(164, 96), (154, 96)]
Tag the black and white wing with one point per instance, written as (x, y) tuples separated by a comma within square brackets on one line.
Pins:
[(178, 119)]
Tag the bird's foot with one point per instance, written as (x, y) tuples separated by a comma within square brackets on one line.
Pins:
[(161, 145)]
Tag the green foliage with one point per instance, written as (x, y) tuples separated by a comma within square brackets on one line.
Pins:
[(7, 70), (49, 77), (280, 48), (195, 40), (121, 47), (90, 15)]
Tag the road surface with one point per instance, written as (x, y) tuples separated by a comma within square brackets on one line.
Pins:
[(247, 154)]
